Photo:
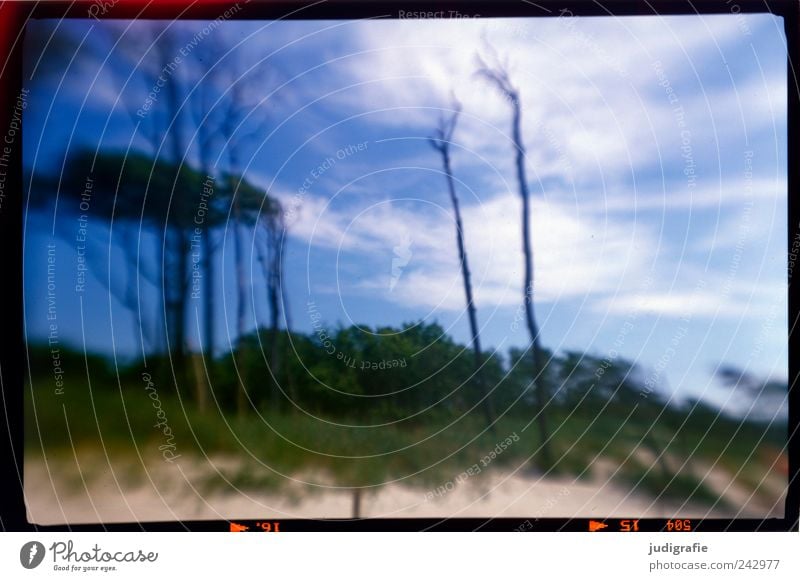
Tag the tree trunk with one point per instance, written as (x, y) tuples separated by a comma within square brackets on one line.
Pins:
[(201, 398), (172, 285), (287, 311), (268, 256), (488, 407), (241, 279), (274, 310), (539, 382), (180, 247), (181, 304), (287, 319), (241, 304), (203, 386)]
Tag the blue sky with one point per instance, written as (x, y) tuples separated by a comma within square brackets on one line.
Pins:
[(656, 155)]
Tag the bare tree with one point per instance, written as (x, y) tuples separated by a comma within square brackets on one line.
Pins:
[(496, 73), (441, 143)]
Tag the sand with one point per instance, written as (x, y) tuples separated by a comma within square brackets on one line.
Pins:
[(64, 491)]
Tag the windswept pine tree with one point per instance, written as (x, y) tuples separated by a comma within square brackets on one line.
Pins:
[(129, 199)]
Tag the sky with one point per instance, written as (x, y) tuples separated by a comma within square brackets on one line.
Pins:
[(655, 155)]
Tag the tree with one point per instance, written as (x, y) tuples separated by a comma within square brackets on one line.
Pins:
[(496, 73), (206, 132), (221, 111), (128, 195), (763, 398), (150, 58), (253, 210), (441, 143)]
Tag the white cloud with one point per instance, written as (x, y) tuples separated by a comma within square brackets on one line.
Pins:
[(675, 304), (730, 194), (579, 254), (584, 122), (591, 85), (575, 254)]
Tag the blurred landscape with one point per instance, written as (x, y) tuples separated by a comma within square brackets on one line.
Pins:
[(404, 269), (616, 452)]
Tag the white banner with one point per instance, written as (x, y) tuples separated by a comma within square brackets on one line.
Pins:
[(399, 556)]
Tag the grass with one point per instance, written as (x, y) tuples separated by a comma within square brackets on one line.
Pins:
[(123, 421), (681, 486)]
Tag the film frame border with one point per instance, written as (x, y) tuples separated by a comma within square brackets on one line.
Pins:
[(14, 15)]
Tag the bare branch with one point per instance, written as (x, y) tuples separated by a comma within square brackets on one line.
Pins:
[(443, 134), (451, 125), (495, 71)]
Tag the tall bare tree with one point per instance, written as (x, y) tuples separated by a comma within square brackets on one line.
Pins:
[(496, 73), (441, 142)]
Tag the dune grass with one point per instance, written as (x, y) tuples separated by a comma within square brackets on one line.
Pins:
[(269, 447)]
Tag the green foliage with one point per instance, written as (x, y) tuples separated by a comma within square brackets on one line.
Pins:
[(366, 406)]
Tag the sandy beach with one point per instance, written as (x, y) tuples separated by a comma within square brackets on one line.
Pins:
[(62, 491)]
